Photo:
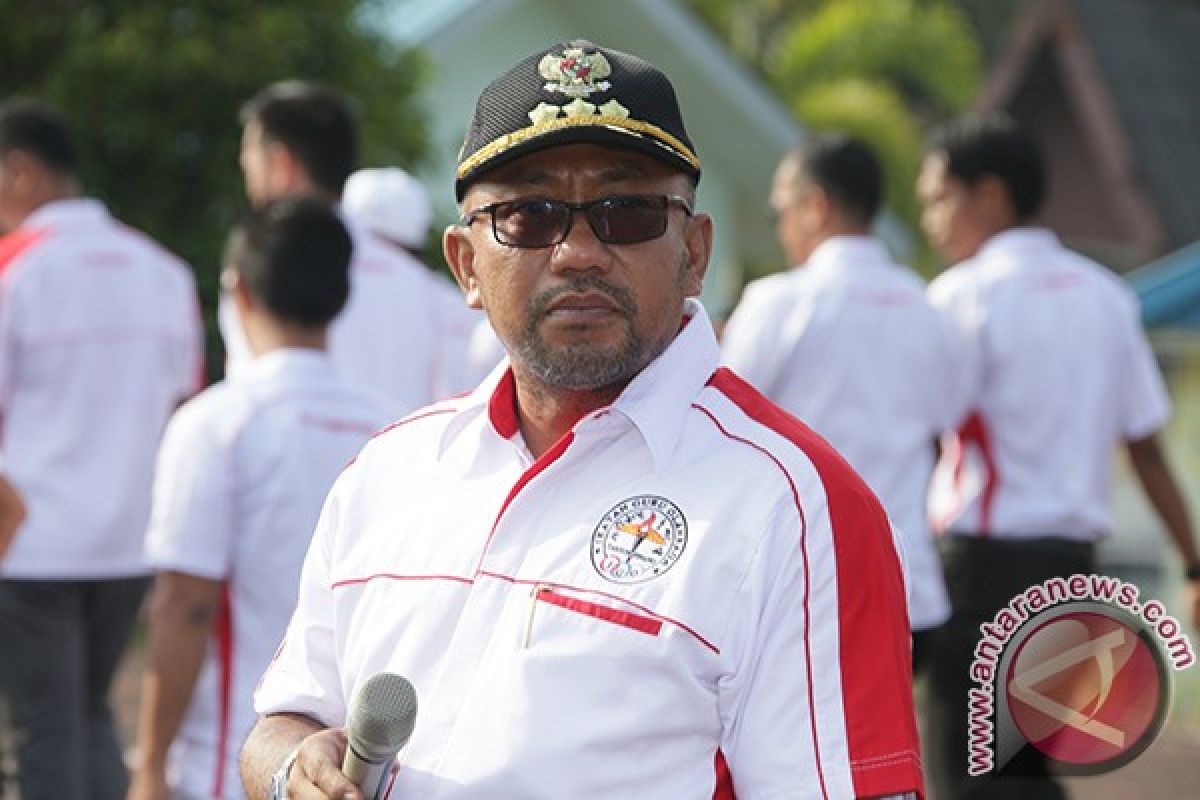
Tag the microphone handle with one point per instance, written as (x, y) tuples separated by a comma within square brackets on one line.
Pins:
[(369, 776)]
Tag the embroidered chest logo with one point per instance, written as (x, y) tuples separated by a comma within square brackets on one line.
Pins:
[(638, 539)]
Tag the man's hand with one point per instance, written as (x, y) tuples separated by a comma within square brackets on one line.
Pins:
[(317, 772)]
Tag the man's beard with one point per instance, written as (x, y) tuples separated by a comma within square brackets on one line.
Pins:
[(583, 366)]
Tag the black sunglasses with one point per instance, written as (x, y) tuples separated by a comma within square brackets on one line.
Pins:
[(544, 222)]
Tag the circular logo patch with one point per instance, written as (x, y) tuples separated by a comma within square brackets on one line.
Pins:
[(638, 539)]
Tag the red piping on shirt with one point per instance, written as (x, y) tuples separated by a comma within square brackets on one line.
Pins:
[(411, 418), (872, 619), (545, 460), (391, 576), (804, 556)]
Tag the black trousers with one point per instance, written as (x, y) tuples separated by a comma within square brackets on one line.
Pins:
[(982, 575), (60, 644)]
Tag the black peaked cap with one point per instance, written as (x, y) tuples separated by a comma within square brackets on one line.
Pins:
[(575, 92)]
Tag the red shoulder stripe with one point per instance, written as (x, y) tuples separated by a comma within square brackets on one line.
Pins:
[(875, 649), (16, 243)]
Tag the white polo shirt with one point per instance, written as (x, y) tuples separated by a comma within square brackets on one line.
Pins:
[(242, 474), (848, 343), (688, 593), (1057, 371), (100, 338), (388, 335)]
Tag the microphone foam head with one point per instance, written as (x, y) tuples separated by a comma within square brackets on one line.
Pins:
[(383, 713)]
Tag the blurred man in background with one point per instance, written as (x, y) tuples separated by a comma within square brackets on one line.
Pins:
[(1056, 371), (847, 342), (299, 138), (243, 471), (394, 208), (99, 340)]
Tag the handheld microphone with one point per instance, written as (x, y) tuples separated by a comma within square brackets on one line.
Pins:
[(380, 722)]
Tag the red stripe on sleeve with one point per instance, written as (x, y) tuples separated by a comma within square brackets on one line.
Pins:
[(875, 648), (16, 243)]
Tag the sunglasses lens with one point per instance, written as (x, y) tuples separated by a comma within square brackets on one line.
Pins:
[(629, 220), (530, 223)]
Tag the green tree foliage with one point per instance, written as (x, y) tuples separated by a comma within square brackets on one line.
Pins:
[(152, 89), (885, 70)]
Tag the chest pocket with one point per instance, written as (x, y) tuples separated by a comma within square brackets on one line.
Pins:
[(560, 612)]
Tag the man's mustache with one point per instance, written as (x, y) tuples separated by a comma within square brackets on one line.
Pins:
[(623, 298)]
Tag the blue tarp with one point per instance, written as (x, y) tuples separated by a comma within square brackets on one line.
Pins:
[(1169, 289)]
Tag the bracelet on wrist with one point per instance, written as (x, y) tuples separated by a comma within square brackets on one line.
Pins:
[(1192, 572), (280, 778)]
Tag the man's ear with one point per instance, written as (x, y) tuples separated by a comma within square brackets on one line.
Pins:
[(285, 172), (232, 283), (821, 207), (698, 249), (994, 202), (24, 174), (460, 257)]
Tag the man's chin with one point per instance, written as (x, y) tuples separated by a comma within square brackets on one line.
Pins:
[(583, 367)]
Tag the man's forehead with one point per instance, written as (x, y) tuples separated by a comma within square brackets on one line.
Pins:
[(574, 162)]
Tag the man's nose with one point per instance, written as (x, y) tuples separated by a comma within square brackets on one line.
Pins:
[(581, 249)]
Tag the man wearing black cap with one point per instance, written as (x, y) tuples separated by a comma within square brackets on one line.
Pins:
[(614, 569)]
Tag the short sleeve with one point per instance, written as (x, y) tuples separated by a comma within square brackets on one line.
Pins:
[(303, 677), (191, 377), (191, 519), (962, 326), (1145, 404), (752, 344), (820, 689)]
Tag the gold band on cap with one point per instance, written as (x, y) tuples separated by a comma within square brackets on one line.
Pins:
[(510, 140)]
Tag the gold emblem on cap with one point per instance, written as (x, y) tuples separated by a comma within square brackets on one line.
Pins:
[(575, 73)]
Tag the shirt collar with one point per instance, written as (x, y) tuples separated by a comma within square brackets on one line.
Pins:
[(839, 252), (1018, 239), (655, 402), (71, 210), (289, 361)]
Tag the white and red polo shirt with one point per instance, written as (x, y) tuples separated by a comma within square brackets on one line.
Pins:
[(848, 343), (1057, 371), (100, 338), (389, 337), (689, 595), (242, 473)]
